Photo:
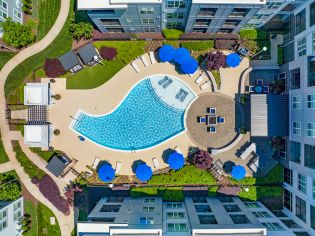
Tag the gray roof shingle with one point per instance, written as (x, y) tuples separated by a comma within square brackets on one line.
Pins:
[(69, 60), (56, 165), (87, 53)]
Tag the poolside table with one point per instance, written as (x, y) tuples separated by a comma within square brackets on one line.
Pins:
[(211, 119), (258, 89)]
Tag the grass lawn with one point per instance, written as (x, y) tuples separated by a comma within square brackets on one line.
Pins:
[(92, 77), (59, 46), (43, 216), (31, 209), (257, 192), (5, 57), (3, 155), (46, 155), (48, 13)]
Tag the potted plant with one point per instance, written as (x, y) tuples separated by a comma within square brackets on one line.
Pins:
[(56, 132), (243, 99), (243, 130), (56, 96)]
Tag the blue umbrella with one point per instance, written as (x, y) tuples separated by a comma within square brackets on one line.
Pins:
[(238, 172), (233, 60), (106, 173), (166, 53), (189, 66), (181, 55), (176, 160), (143, 172)]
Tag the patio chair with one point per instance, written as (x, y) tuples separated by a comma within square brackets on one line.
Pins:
[(211, 129), (118, 167), (144, 60), (167, 83), (251, 89), (199, 79), (179, 94), (259, 82), (135, 66), (202, 119), (253, 167), (178, 150), (266, 89), (192, 75), (96, 162), (211, 110), (152, 57), (221, 119), (156, 163), (184, 96), (205, 85)]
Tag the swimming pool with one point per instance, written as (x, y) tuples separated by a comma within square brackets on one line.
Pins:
[(141, 121)]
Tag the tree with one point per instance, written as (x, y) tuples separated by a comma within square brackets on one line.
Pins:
[(17, 35), (10, 187), (108, 53), (215, 60), (70, 192), (81, 30), (202, 160), (53, 68)]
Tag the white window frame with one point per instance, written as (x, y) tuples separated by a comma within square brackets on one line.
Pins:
[(177, 227), (301, 47), (310, 129), (302, 183), (176, 4), (148, 209), (273, 226), (296, 128), (147, 220), (148, 21), (146, 10), (174, 205), (296, 102), (311, 102), (175, 215)]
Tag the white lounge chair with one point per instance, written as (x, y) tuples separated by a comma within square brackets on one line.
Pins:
[(135, 66), (118, 167), (192, 75), (177, 149), (144, 60), (96, 162), (156, 163), (205, 85), (199, 79), (253, 167), (152, 57), (251, 148)]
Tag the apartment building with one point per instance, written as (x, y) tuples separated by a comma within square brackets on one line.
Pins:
[(10, 218), (211, 16), (195, 216), (11, 9)]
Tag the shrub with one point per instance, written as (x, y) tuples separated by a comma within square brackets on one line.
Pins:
[(280, 56), (224, 44), (108, 53), (10, 187), (173, 194), (256, 193), (217, 76), (215, 60), (144, 191), (28, 166), (202, 160), (81, 30), (50, 190), (212, 191), (253, 34), (53, 68), (198, 46), (26, 10), (172, 33), (28, 5), (56, 96), (69, 194)]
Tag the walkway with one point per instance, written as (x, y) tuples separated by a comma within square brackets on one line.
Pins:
[(65, 222)]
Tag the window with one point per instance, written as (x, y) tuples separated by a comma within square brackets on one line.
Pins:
[(115, 30), (295, 78), (273, 226), (3, 4), (313, 42), (147, 21), (175, 15), (296, 128), (300, 22), (240, 219), (115, 199), (148, 29), (202, 22), (147, 209), (313, 189), (207, 219), (146, 10), (174, 205), (149, 200), (110, 208), (239, 12), (17, 205), (309, 154), (302, 183), (311, 101), (252, 204), (174, 25), (232, 208), (4, 15), (312, 216), (288, 176), (199, 200), (296, 102), (301, 47), (225, 31), (225, 199), (3, 214), (175, 227), (312, 14), (110, 22), (311, 130), (290, 224), (176, 4), (175, 215), (203, 208), (228, 23), (272, 5), (3, 225), (200, 30), (295, 151), (207, 11), (287, 199), (261, 214), (300, 208), (261, 16), (17, 14), (146, 221), (17, 215)]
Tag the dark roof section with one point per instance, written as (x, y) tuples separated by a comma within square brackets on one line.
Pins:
[(57, 164), (87, 53), (269, 115), (69, 60)]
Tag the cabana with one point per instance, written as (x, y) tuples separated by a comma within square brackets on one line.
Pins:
[(176, 160), (36, 94), (238, 172), (143, 172), (36, 136), (166, 53), (58, 164), (70, 62), (189, 66), (89, 55), (106, 173), (181, 55), (233, 60)]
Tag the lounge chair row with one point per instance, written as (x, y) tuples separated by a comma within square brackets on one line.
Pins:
[(97, 161), (199, 81), (144, 61), (156, 162)]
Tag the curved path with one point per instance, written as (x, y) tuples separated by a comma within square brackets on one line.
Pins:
[(65, 222)]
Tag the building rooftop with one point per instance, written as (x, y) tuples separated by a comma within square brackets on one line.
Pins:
[(36, 94), (36, 135), (69, 60), (57, 164), (87, 53)]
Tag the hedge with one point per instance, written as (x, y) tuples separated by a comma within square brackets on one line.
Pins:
[(253, 34), (172, 194), (198, 46), (256, 193), (172, 33), (280, 56)]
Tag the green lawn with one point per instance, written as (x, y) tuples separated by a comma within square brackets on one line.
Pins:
[(31, 209), (92, 77), (3, 155), (48, 13), (257, 192), (46, 155), (59, 46), (5, 57)]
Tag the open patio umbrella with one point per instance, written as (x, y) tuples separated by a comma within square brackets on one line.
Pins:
[(238, 172), (176, 160), (181, 55), (106, 173), (166, 53), (233, 60), (143, 172), (189, 66)]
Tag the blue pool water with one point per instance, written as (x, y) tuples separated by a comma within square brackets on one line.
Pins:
[(141, 121)]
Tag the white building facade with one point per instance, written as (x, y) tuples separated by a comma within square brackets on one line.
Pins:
[(11, 214)]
